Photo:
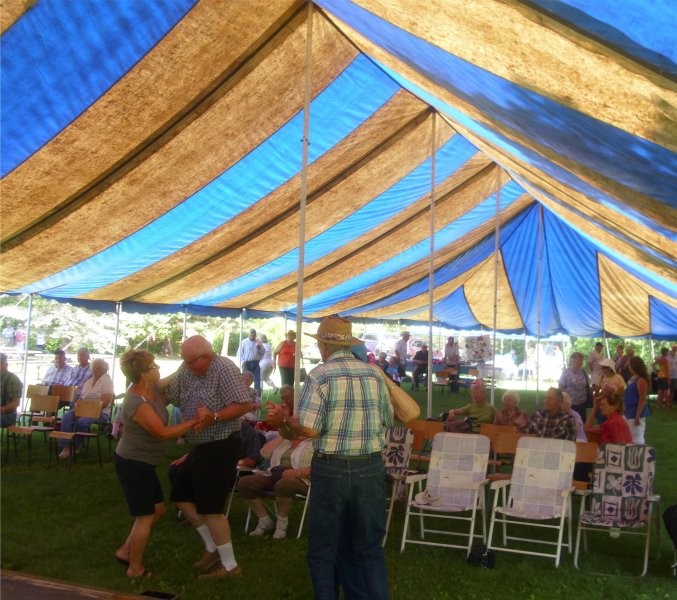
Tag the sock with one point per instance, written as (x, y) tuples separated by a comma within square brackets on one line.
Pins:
[(265, 522), (227, 556), (203, 530), (282, 522)]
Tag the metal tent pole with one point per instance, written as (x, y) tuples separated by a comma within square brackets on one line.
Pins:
[(497, 237), (302, 201), (431, 265), (26, 344)]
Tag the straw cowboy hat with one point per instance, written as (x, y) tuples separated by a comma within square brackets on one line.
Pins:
[(336, 331)]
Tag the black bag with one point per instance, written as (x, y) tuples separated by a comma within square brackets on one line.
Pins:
[(481, 556), (276, 473)]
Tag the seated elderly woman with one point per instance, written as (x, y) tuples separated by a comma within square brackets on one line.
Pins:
[(98, 387), (476, 413), (288, 475), (511, 413), (580, 430), (614, 429)]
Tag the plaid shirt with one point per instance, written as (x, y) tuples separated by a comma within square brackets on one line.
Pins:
[(559, 426), (219, 387), (347, 402), (78, 377)]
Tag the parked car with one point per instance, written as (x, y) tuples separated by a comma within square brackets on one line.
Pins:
[(311, 353), (371, 342)]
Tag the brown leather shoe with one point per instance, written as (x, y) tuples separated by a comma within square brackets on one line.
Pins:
[(208, 560), (221, 571)]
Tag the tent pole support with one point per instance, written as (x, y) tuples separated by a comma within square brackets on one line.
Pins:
[(118, 310), (431, 263), (497, 239), (26, 345), (304, 196)]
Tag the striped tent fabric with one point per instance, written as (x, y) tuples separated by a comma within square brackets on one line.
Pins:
[(517, 158)]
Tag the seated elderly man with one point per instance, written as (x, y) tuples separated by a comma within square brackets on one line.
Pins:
[(475, 413), (553, 421), (59, 373), (511, 413), (420, 365)]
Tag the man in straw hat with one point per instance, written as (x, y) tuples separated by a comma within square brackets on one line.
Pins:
[(345, 406)]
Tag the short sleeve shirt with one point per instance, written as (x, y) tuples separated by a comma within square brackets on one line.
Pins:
[(347, 402), (221, 386)]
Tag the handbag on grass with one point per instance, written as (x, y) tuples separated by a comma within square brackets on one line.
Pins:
[(481, 556)]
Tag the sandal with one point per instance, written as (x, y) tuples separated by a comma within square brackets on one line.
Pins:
[(145, 575)]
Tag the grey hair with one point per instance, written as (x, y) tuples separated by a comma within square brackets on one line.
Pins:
[(511, 394)]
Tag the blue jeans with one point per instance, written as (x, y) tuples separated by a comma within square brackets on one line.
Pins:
[(346, 525), (255, 368), (68, 423)]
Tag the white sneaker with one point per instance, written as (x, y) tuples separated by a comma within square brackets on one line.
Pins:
[(263, 527), (280, 532)]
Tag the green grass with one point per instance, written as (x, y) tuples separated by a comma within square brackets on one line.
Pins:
[(66, 525)]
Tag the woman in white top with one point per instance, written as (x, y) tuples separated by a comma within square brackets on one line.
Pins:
[(266, 363), (98, 387)]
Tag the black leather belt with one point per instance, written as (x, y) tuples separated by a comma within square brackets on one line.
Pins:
[(323, 456)]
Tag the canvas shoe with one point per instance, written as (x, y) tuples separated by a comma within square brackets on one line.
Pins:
[(280, 532), (264, 526)]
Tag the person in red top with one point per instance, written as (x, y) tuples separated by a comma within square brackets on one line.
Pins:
[(284, 357), (614, 429)]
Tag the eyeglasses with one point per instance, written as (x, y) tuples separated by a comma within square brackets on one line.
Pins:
[(189, 363)]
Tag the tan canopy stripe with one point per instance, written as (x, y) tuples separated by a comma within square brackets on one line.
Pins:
[(172, 173), (626, 195), (220, 256), (203, 50), (478, 288), (339, 200), (535, 182), (420, 303), (406, 277), (573, 69), (589, 225), (625, 300), (11, 11), (382, 243)]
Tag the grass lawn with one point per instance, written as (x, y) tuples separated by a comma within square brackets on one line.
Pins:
[(66, 525)]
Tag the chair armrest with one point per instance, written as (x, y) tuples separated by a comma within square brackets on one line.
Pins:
[(500, 483), (415, 477), (654, 498), (579, 492)]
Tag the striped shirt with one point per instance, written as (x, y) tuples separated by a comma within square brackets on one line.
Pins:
[(347, 402), (219, 387)]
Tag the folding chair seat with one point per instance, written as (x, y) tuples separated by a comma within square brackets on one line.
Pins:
[(40, 418), (622, 499), (84, 409), (396, 458), (539, 493), (454, 491)]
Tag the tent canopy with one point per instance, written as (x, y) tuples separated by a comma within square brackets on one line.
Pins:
[(152, 155)]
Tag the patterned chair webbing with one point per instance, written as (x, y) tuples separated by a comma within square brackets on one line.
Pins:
[(458, 464), (542, 471), (397, 450), (622, 481)]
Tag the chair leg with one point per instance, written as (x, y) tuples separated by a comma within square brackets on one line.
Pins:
[(303, 514), (390, 512)]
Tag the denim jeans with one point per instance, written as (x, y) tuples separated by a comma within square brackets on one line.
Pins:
[(346, 525), (255, 369)]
